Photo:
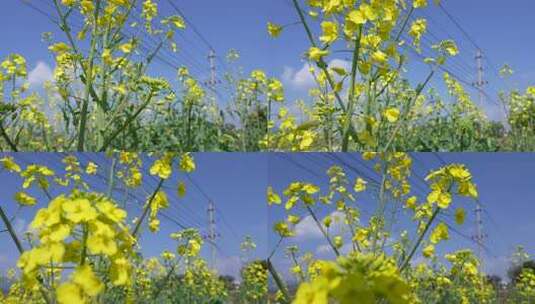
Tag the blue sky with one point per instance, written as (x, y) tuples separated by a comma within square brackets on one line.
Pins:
[(234, 182), (503, 29), (505, 182)]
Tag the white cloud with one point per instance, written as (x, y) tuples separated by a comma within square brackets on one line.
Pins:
[(326, 250), (40, 74), (302, 79), (308, 229)]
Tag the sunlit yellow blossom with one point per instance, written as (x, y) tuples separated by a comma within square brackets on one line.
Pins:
[(315, 54), (293, 219), (25, 199), (162, 168), (369, 155), (59, 48), (177, 21), (419, 3), (274, 30), (79, 210), (84, 277), (428, 251), (87, 6), (379, 57), (126, 47), (91, 168), (186, 163), (272, 197), (9, 164), (360, 185), (167, 255), (440, 233), (282, 229), (459, 216), (338, 241), (181, 189), (69, 293), (417, 29), (330, 32), (411, 202), (391, 114), (111, 211), (68, 2)]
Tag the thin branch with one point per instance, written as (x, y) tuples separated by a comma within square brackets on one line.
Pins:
[(146, 209)]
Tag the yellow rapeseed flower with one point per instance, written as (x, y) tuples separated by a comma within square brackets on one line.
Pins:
[(181, 189), (360, 185), (330, 32), (89, 283), (162, 168), (274, 30), (79, 210), (428, 251), (459, 216), (272, 197), (126, 47), (419, 3), (9, 164), (391, 114), (315, 54), (68, 293), (91, 168), (187, 164), (25, 199)]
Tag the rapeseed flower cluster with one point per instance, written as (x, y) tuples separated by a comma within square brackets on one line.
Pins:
[(255, 282), (367, 278), (73, 230), (526, 285)]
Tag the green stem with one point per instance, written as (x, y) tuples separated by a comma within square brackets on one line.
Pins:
[(88, 82), (294, 259), (276, 247), (111, 177), (399, 123), (11, 231), (7, 139), (109, 140), (419, 241), (188, 127), (84, 245), (278, 282), (268, 123), (166, 279), (146, 209), (323, 66), (323, 230), (382, 203), (405, 23), (352, 101)]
